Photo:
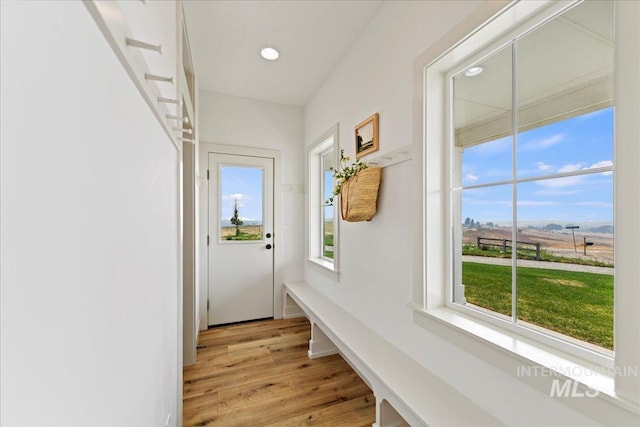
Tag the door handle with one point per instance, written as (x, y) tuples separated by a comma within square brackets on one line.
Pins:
[(268, 246), (268, 235)]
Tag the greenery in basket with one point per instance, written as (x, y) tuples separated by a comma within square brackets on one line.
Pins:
[(343, 173)]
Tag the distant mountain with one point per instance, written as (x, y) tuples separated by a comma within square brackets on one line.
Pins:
[(227, 223), (552, 227), (602, 229)]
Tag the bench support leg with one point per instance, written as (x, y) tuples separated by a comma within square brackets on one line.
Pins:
[(319, 344), (290, 309), (387, 416)]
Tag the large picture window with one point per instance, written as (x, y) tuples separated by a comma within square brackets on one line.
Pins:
[(532, 179), (531, 198)]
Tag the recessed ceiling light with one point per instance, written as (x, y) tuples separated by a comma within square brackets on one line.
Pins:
[(474, 71), (269, 53)]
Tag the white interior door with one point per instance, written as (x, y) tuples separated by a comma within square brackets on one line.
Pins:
[(241, 238)]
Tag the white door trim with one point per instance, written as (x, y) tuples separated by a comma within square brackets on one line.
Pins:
[(206, 148)]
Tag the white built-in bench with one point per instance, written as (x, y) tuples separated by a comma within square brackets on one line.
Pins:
[(406, 392)]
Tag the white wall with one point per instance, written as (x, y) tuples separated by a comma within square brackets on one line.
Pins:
[(232, 120), (376, 262), (89, 227)]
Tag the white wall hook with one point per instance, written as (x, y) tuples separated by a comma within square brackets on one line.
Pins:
[(189, 131), (158, 78), (393, 157), (179, 118), (142, 45), (168, 100)]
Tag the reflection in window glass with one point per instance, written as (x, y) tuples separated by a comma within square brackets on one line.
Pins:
[(241, 206), (482, 105)]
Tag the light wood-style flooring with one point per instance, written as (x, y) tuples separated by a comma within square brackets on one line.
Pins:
[(258, 374)]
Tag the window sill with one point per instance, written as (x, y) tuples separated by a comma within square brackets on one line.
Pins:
[(325, 267), (529, 361)]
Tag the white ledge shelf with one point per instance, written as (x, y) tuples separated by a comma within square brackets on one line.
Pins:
[(391, 158)]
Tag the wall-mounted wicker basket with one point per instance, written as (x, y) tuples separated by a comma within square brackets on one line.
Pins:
[(359, 195)]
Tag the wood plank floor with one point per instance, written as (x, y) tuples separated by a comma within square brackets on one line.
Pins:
[(258, 374)]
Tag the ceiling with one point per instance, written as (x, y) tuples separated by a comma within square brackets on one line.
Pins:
[(312, 36)]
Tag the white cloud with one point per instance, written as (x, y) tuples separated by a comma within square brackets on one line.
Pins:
[(238, 196), (592, 115), (569, 181), (536, 203), (470, 177), (556, 192), (492, 148), (595, 204), (487, 202), (541, 144), (602, 164), (542, 166), (571, 168)]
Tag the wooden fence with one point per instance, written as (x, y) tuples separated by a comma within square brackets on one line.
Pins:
[(506, 244)]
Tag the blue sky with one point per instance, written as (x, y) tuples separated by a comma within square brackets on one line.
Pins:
[(245, 185), (570, 145)]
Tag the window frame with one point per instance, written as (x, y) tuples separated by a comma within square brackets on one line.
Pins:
[(453, 154), (324, 144), (489, 338)]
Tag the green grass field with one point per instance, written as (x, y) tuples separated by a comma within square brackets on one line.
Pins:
[(245, 232), (576, 304), (328, 241)]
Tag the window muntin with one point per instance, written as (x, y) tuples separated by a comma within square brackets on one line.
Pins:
[(514, 188)]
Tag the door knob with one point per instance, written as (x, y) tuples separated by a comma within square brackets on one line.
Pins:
[(268, 246), (268, 235)]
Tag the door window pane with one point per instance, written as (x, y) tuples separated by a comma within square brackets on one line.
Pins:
[(241, 207)]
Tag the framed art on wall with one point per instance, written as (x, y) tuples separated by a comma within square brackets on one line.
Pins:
[(366, 134)]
